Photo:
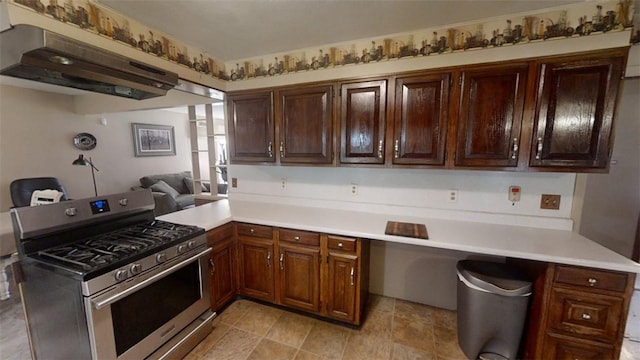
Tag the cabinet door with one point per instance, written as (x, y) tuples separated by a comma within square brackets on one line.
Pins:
[(571, 349), (256, 268), (300, 277), (222, 270), (574, 113), (363, 119), (490, 116), (251, 127), (342, 286), (306, 125), (420, 122)]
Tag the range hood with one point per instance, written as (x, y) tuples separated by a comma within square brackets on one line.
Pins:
[(35, 54)]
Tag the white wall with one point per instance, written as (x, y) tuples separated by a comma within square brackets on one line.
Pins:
[(612, 201), (36, 139)]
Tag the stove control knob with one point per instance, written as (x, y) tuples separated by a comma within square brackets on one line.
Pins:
[(191, 244), (182, 248), (71, 211), (123, 202), (160, 258), (121, 274), (135, 269)]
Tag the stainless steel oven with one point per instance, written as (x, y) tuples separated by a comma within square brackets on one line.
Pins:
[(111, 281)]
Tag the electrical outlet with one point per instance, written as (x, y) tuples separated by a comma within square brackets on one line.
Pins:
[(354, 189), (550, 202), (283, 183), (234, 182), (452, 196)]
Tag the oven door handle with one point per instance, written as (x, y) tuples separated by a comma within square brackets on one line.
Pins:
[(115, 297)]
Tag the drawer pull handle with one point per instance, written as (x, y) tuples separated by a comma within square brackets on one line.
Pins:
[(539, 149), (380, 149), (592, 281), (396, 149), (296, 238), (340, 245), (270, 149), (352, 275), (281, 261), (514, 154), (212, 265), (269, 259), (586, 316), (282, 149)]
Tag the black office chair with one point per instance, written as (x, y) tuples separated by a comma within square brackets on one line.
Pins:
[(21, 189)]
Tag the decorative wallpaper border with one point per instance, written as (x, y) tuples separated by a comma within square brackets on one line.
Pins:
[(585, 19)]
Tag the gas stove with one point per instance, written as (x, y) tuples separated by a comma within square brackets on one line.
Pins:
[(96, 264)]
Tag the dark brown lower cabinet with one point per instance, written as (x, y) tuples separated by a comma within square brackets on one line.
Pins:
[(300, 278), (257, 268), (222, 266), (575, 312), (342, 286)]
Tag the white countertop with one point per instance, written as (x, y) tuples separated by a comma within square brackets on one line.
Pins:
[(559, 246)]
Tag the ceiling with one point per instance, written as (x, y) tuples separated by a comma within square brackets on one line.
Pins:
[(240, 29)]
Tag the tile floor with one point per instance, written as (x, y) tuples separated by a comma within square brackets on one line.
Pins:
[(393, 329)]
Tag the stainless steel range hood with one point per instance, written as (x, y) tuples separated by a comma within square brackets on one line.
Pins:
[(31, 53)]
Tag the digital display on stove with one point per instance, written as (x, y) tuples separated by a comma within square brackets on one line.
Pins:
[(99, 206)]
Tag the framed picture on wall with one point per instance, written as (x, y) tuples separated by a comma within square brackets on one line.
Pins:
[(153, 140)]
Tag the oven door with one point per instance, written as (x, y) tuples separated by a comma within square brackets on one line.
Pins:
[(133, 319)]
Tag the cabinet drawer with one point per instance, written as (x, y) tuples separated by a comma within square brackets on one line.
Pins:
[(220, 233), (589, 315), (342, 243), (589, 278), (300, 237), (556, 347), (255, 230)]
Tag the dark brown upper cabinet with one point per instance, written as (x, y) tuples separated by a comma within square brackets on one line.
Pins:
[(574, 112), (251, 127), (363, 118), (420, 119), (306, 125), (490, 116)]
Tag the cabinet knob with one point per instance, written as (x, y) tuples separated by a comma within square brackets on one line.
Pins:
[(380, 149), (592, 281), (251, 230), (396, 149), (340, 245), (296, 238), (586, 316), (270, 149)]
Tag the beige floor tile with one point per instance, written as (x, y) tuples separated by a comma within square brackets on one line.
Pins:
[(380, 303), (367, 347), (259, 319), (235, 344), (235, 312), (447, 347), (445, 318), (413, 311), (305, 355), (378, 323), (327, 340), (205, 345), (401, 352), (414, 333), (291, 329), (271, 350)]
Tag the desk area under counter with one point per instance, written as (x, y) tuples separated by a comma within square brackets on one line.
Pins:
[(410, 268)]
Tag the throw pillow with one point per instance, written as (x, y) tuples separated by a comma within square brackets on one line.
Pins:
[(188, 182), (163, 187)]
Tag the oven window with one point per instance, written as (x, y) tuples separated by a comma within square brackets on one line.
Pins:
[(143, 312)]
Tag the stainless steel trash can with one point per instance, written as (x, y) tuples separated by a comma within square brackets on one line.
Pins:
[(492, 307)]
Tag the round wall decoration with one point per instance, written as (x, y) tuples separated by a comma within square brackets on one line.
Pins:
[(84, 141)]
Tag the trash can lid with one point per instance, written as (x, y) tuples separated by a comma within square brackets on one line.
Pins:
[(494, 277)]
